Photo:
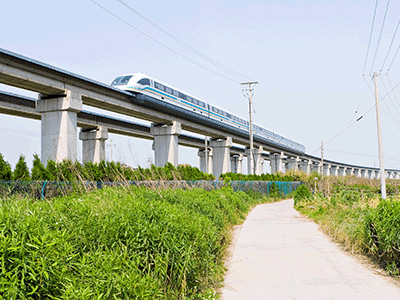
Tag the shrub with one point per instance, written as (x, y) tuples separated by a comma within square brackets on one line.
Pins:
[(5, 169), (301, 193), (21, 171)]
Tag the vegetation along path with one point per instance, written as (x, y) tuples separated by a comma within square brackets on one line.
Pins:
[(279, 254)]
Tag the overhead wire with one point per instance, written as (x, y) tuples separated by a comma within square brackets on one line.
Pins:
[(391, 44), (365, 155), (162, 44), (380, 35), (370, 37), (365, 113), (182, 43)]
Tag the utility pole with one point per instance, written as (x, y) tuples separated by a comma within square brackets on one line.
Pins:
[(206, 152), (380, 146), (322, 158), (249, 95)]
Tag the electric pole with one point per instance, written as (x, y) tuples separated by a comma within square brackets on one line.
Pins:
[(249, 95), (380, 146), (322, 158)]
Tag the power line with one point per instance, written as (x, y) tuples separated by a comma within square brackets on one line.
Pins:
[(380, 35), (182, 43), (391, 44), (160, 43), (366, 112), (370, 37), (364, 155), (394, 58)]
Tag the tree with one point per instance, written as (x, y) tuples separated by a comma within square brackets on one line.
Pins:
[(39, 172), (21, 171), (5, 169)]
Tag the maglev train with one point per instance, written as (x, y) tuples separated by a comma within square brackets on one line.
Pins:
[(141, 83)]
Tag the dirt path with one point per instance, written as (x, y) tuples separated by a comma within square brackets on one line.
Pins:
[(278, 254)]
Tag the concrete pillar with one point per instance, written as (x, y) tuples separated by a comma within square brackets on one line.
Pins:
[(342, 171), (326, 169), (350, 171), (276, 160), (59, 125), (236, 163), (202, 156), (94, 144), (258, 160), (358, 173), (397, 175), (165, 144), (372, 174), (293, 164), (305, 166), (335, 171), (365, 173), (221, 155), (316, 167)]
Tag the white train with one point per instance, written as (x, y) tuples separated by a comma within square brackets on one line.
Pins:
[(141, 83)]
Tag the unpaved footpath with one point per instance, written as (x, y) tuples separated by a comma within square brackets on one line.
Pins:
[(279, 254)]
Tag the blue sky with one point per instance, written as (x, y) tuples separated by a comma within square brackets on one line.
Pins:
[(307, 55)]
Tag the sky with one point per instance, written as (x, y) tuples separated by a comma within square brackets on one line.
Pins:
[(308, 56)]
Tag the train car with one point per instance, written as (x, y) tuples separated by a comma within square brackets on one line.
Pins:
[(144, 84)]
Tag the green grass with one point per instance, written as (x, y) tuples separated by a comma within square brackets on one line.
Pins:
[(360, 221), (118, 243)]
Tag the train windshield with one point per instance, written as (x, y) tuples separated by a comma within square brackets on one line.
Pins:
[(122, 80)]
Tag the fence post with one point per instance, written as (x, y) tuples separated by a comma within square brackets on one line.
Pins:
[(44, 184)]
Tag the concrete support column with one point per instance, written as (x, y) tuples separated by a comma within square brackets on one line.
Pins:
[(236, 163), (326, 169), (165, 144), (202, 156), (365, 173), (372, 175), (221, 155), (59, 125), (397, 175), (342, 171), (94, 144), (293, 164), (358, 173), (316, 167), (305, 166), (351, 172), (276, 162), (335, 171)]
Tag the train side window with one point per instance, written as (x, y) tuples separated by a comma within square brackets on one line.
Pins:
[(144, 81), (168, 90), (159, 86), (175, 93)]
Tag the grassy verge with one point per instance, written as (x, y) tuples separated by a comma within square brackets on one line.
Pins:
[(358, 219), (118, 243)]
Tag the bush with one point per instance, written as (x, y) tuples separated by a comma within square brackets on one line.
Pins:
[(5, 169), (301, 193), (21, 171), (382, 228)]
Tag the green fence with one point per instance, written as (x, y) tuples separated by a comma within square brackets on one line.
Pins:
[(50, 189)]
